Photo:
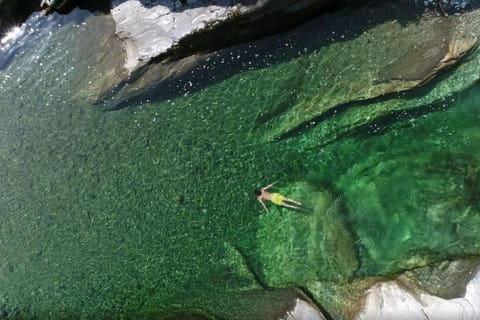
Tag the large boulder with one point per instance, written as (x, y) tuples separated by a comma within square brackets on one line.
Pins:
[(393, 301), (382, 60), (165, 28)]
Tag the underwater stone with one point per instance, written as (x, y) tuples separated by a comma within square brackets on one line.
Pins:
[(389, 58), (314, 245)]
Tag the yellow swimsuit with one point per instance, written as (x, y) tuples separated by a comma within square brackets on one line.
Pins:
[(277, 199)]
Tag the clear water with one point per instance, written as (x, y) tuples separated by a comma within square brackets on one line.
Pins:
[(150, 210)]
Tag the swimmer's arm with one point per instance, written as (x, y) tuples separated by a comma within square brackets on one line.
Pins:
[(263, 204), (269, 186)]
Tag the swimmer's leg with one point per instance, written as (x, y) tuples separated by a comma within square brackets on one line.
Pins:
[(292, 201), (290, 206)]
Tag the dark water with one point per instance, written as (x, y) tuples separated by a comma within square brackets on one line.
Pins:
[(148, 210)]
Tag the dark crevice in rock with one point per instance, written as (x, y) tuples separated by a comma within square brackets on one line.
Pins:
[(270, 20), (271, 49), (66, 6), (242, 28), (313, 300)]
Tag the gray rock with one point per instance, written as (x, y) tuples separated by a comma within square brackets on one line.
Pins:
[(391, 300), (454, 4), (165, 28), (386, 59), (303, 310), (447, 279)]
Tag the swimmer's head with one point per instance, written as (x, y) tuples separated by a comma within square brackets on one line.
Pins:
[(257, 192)]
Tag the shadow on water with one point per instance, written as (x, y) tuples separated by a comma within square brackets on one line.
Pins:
[(334, 24)]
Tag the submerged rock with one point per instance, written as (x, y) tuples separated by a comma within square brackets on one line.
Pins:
[(300, 247), (381, 62)]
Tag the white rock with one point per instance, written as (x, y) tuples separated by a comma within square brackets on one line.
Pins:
[(303, 311), (389, 301), (151, 31)]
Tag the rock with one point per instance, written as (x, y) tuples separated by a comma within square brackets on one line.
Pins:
[(162, 28), (447, 280), (303, 310), (52, 5), (446, 4), (406, 296), (384, 60), (342, 300), (392, 301), (100, 56), (314, 245)]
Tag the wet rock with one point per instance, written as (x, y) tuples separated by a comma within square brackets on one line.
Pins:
[(447, 4), (342, 300), (303, 310), (100, 57), (314, 244), (447, 280), (158, 29), (391, 300), (410, 295), (383, 61), (437, 222)]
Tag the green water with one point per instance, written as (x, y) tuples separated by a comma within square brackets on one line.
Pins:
[(150, 210)]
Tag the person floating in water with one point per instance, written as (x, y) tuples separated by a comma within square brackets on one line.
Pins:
[(276, 198)]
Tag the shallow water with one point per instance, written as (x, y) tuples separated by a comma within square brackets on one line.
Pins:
[(151, 209)]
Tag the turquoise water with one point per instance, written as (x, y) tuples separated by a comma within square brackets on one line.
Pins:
[(149, 210)]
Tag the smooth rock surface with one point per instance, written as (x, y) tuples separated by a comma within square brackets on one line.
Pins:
[(389, 58), (447, 279), (156, 28), (303, 311), (350, 118), (159, 28), (390, 301)]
